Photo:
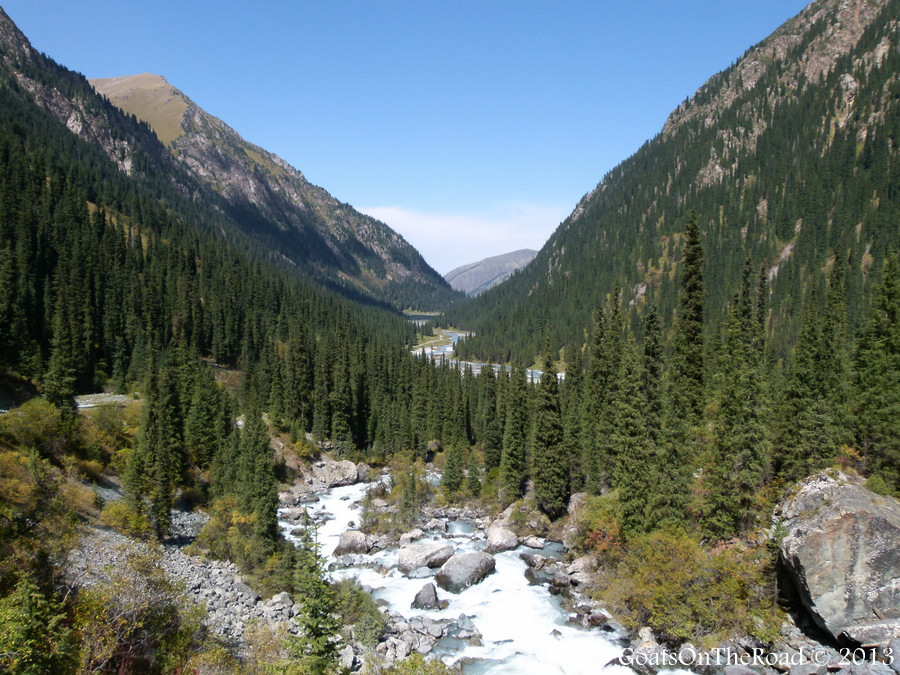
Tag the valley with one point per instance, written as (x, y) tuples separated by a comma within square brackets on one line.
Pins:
[(246, 428)]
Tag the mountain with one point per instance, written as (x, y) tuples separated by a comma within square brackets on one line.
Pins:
[(275, 203), (789, 158), (477, 277), (257, 192)]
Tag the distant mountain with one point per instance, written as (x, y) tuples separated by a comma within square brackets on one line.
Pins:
[(477, 277), (790, 159), (273, 201)]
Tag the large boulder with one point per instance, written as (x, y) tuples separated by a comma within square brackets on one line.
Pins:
[(463, 570), (842, 551), (352, 541), (335, 474), (423, 554), (500, 538), (426, 598)]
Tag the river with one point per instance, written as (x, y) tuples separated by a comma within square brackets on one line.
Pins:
[(445, 351), (524, 629)]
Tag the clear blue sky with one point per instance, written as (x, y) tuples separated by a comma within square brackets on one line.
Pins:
[(473, 128)]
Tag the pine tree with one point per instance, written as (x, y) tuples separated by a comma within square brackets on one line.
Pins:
[(548, 461), (453, 473), (635, 466), (733, 478), (877, 383), (156, 466), (515, 436), (684, 385), (315, 647)]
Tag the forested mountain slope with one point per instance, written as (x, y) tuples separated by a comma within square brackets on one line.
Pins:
[(255, 192), (273, 202), (790, 159)]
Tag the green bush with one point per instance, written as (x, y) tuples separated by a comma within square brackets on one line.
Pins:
[(34, 637), (358, 609), (666, 580), (121, 515)]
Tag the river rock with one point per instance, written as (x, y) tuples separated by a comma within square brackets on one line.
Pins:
[(351, 541), (535, 560), (426, 598), (463, 570), (534, 542), (347, 660), (499, 538), (335, 474), (423, 554), (580, 570), (411, 536), (842, 551)]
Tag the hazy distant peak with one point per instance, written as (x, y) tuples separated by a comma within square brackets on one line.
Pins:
[(477, 277)]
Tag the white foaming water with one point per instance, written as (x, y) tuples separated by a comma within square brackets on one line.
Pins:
[(523, 627)]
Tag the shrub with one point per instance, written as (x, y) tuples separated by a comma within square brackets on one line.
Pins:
[(34, 637), (358, 609), (121, 515), (136, 621), (668, 581), (36, 424)]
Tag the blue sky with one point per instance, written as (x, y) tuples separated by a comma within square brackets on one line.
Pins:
[(472, 128)]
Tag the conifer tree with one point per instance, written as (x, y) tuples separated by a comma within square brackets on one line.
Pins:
[(515, 436), (315, 648), (548, 462), (735, 475), (453, 473), (684, 384), (156, 466), (877, 383), (635, 465), (571, 396)]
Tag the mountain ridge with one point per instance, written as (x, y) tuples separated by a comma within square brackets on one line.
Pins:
[(274, 201), (476, 277), (790, 172)]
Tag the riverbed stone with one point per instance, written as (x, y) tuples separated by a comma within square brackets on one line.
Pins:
[(411, 536), (842, 551), (426, 598), (351, 541), (335, 474), (423, 554), (533, 542), (464, 569), (499, 538), (533, 560), (581, 569)]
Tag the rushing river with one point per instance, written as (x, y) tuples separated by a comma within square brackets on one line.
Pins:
[(523, 627)]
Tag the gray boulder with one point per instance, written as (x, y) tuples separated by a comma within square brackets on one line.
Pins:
[(335, 474), (411, 536), (423, 554), (463, 570), (500, 538), (351, 541), (842, 551), (426, 598)]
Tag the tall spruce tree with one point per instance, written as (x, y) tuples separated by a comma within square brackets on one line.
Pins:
[(515, 436), (635, 466), (733, 478), (877, 383), (156, 466), (548, 461), (684, 385)]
